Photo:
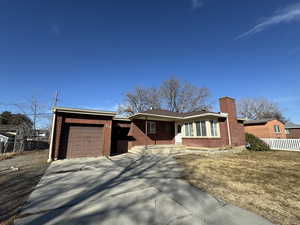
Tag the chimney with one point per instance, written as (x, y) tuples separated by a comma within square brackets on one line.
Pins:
[(227, 105)]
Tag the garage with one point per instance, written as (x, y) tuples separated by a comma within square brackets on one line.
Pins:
[(84, 141), (80, 133)]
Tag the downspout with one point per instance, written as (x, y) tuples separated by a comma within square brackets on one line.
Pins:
[(228, 130), (52, 137)]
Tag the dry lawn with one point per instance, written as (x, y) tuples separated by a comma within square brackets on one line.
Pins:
[(9, 155), (15, 186), (267, 183)]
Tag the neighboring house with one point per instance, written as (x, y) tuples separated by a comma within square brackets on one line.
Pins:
[(90, 133), (266, 128), (42, 133), (8, 128), (292, 131), (3, 138), (6, 141)]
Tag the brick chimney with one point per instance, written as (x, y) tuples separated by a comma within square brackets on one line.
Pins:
[(235, 129), (227, 105)]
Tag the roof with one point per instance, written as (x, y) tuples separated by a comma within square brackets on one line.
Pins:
[(292, 126), (177, 115), (124, 119), (84, 111), (6, 134), (162, 112), (262, 121)]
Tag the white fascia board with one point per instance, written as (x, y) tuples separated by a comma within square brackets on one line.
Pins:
[(84, 111), (154, 115), (223, 115), (206, 114)]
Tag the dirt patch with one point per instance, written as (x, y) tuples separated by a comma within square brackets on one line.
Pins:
[(17, 183), (267, 183)]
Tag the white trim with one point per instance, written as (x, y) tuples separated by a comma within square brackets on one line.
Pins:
[(223, 115), (205, 114), (121, 119), (154, 115), (84, 111), (51, 140)]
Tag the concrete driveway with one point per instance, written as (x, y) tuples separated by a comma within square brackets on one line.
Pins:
[(127, 189)]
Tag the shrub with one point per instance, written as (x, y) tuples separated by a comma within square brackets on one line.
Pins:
[(256, 144)]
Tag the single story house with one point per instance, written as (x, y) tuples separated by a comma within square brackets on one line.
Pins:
[(92, 133), (292, 131), (266, 128)]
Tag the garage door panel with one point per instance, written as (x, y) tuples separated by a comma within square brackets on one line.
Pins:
[(85, 141)]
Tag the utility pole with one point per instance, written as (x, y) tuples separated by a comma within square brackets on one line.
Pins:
[(55, 99), (34, 117)]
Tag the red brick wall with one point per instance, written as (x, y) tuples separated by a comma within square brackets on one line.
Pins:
[(294, 134), (164, 133), (60, 134), (267, 130), (57, 135), (237, 132)]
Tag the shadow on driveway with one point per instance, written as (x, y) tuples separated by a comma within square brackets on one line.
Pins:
[(127, 189)]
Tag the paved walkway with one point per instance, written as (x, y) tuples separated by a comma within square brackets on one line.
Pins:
[(127, 190)]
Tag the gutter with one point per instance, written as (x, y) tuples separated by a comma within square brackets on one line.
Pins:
[(52, 137)]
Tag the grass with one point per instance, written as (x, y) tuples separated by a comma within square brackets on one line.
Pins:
[(267, 183), (17, 185)]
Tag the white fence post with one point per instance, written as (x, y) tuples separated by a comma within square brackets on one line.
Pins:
[(283, 144)]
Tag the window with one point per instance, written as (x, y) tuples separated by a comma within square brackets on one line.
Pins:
[(151, 127), (189, 129), (276, 128), (201, 128), (214, 128), (287, 131)]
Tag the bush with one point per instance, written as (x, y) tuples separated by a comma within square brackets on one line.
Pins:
[(256, 144)]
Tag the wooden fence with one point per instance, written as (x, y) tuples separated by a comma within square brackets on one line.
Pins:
[(283, 144)]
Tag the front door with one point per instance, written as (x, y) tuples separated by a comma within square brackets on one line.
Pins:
[(178, 133)]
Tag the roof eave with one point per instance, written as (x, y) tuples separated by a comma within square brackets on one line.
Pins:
[(153, 115), (84, 111), (222, 115)]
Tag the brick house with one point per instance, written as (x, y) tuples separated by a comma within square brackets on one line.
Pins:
[(292, 131), (92, 133), (266, 128)]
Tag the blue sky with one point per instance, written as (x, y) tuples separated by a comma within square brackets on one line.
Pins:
[(93, 52)]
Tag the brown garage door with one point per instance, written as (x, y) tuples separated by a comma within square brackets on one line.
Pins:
[(85, 141)]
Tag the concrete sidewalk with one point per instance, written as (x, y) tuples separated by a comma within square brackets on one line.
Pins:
[(127, 189)]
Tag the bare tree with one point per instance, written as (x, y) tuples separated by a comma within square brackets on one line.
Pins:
[(35, 110), (141, 99), (185, 97), (259, 108), (172, 95)]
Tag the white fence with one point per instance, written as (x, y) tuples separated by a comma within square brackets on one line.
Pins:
[(283, 144)]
